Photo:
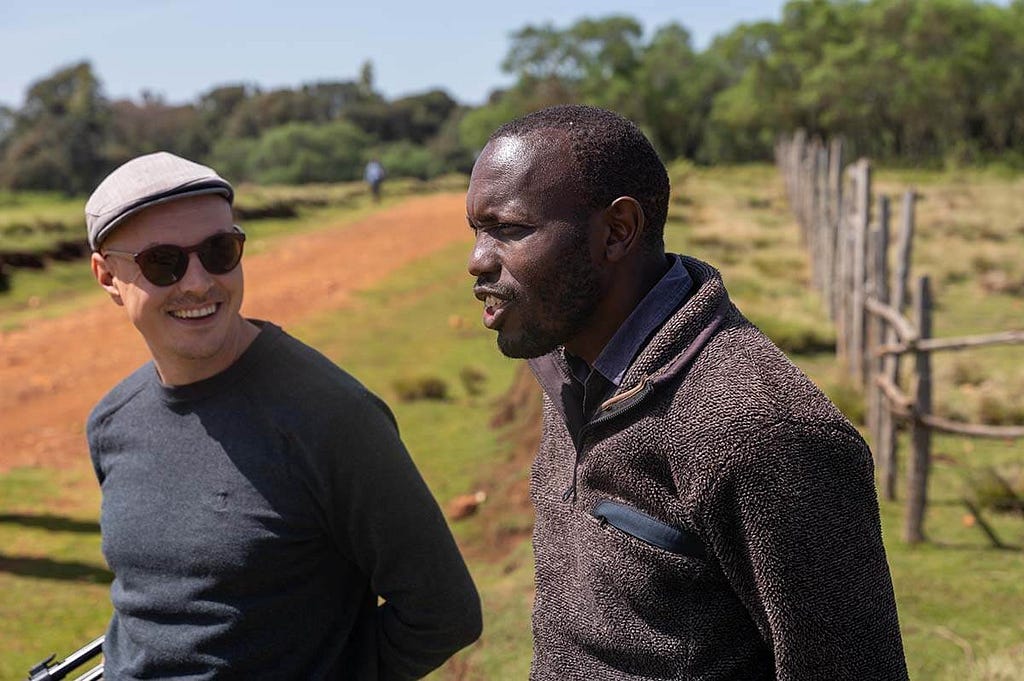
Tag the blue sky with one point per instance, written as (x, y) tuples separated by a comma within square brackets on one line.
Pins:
[(180, 48)]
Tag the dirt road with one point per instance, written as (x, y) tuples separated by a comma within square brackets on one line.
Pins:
[(53, 371)]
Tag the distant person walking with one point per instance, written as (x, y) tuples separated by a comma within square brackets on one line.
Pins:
[(374, 176), (260, 514)]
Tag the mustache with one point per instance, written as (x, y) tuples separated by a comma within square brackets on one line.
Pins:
[(188, 300), (502, 291)]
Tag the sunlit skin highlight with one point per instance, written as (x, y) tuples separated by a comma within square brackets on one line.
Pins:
[(549, 271)]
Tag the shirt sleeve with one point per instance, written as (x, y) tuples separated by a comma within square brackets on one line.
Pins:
[(384, 517), (794, 523)]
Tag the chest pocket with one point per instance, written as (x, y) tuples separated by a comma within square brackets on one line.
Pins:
[(650, 530)]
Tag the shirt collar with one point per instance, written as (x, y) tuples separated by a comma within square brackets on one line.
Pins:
[(659, 303)]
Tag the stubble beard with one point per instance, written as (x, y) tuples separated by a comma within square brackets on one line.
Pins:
[(562, 308)]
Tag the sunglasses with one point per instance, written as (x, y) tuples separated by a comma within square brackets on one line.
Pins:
[(165, 264)]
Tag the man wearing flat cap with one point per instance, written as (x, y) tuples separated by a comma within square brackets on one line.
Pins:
[(260, 514)]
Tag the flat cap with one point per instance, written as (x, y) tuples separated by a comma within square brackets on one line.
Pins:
[(143, 182)]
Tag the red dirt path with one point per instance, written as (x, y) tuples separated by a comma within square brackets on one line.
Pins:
[(53, 371)]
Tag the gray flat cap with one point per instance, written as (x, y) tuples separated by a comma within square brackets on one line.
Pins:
[(143, 182)]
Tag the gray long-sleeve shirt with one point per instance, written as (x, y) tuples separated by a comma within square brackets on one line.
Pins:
[(253, 519)]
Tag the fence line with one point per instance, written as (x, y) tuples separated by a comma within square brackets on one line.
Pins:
[(846, 231)]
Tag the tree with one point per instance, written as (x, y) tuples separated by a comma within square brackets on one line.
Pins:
[(742, 115), (7, 118), (215, 109), (673, 90), (57, 139), (593, 60), (300, 153), (417, 118), (151, 125)]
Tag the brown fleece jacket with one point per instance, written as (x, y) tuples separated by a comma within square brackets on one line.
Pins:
[(716, 519)]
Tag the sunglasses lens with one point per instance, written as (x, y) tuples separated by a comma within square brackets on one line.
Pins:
[(163, 265), (221, 252)]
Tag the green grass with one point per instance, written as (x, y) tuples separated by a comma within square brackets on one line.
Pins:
[(961, 602), (423, 321), (37, 207), (52, 576)]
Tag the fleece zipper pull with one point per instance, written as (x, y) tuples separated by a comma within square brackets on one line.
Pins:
[(611, 408)]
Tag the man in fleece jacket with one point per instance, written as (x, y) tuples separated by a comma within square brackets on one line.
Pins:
[(260, 514), (702, 510)]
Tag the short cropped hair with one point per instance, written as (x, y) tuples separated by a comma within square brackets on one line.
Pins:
[(612, 158)]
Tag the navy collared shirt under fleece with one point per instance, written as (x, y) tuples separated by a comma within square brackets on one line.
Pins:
[(593, 385)]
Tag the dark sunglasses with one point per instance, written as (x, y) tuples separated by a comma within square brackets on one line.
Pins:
[(165, 264)]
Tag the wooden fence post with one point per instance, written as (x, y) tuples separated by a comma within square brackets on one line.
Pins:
[(811, 198), (898, 300), (880, 415), (800, 190), (860, 234), (844, 270), (920, 433), (834, 215), (903, 251), (819, 273)]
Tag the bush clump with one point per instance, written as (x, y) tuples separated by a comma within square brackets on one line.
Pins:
[(473, 380), (849, 400), (796, 338), (998, 410), (412, 388), (988, 489), (968, 372)]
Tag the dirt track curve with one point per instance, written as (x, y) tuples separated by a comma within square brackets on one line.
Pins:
[(53, 371)]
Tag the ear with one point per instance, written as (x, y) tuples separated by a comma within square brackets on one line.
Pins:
[(625, 221), (105, 277)]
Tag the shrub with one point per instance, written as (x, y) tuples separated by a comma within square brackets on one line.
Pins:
[(999, 410), (775, 268), (848, 399), (983, 263), (795, 338), (1003, 666), (412, 388), (404, 159), (272, 209), (297, 153), (473, 379), (988, 489), (1000, 281), (968, 372)]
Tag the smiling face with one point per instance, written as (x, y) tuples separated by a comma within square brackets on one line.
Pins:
[(192, 327), (536, 251)]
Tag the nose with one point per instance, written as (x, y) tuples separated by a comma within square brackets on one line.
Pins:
[(196, 279), (483, 259)]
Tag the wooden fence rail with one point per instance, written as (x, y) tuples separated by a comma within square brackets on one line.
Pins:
[(846, 231)]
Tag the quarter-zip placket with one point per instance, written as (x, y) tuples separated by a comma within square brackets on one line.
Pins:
[(616, 406)]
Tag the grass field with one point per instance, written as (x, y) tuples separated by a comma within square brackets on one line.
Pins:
[(961, 602)]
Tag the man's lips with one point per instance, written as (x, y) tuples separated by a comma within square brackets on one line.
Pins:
[(494, 306), (492, 303)]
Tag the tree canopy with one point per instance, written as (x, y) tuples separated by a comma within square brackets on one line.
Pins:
[(911, 81)]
